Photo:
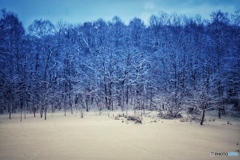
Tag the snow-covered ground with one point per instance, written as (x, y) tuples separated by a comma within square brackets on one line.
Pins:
[(98, 137)]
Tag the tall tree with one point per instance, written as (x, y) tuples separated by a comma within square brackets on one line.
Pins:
[(42, 32), (11, 32)]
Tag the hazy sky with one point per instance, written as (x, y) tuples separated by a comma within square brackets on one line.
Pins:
[(78, 11)]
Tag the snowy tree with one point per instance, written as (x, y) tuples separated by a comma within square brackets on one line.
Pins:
[(11, 32), (42, 32), (175, 63)]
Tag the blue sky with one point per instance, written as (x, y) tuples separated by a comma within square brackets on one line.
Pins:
[(79, 11)]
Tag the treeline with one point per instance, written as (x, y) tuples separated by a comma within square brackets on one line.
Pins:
[(173, 63)]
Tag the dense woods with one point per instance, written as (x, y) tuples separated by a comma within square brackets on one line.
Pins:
[(175, 63)]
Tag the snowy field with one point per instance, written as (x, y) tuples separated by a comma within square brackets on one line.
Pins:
[(98, 137)]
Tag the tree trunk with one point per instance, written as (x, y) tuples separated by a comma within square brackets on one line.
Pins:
[(65, 108), (203, 116), (219, 113), (41, 112), (45, 113), (1, 110), (127, 95), (21, 115), (110, 96), (10, 110), (34, 111), (25, 110), (87, 109), (81, 113), (10, 114), (71, 106), (81, 110), (106, 97)]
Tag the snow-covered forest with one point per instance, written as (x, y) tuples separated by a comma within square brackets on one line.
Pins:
[(174, 63)]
